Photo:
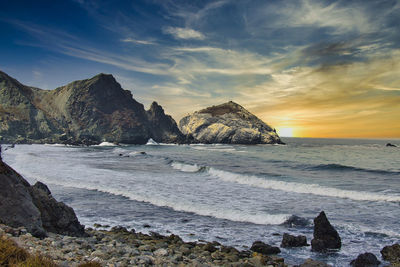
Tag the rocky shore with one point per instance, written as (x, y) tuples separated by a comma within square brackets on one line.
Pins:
[(122, 247)]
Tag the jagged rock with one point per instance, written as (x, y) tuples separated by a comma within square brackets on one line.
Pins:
[(43, 187), (391, 145), (228, 123), (56, 216), (314, 263), (325, 236), (391, 253), (265, 249), (365, 260), (163, 128), (289, 241), (83, 112), (33, 207)]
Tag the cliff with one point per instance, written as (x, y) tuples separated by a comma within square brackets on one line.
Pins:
[(228, 123), (83, 112)]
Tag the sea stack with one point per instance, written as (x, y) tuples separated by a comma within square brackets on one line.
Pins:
[(325, 236), (228, 123)]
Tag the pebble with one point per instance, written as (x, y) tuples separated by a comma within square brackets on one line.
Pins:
[(119, 248)]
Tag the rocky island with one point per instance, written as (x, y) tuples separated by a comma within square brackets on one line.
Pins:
[(228, 123)]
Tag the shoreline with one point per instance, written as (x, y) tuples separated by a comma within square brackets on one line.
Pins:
[(122, 247)]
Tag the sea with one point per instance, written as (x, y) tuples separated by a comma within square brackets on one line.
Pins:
[(233, 194)]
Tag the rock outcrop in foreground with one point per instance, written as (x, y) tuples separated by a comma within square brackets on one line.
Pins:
[(325, 236), (228, 123), (33, 207), (83, 112)]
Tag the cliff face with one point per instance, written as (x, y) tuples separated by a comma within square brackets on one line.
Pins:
[(228, 123), (163, 128), (87, 111)]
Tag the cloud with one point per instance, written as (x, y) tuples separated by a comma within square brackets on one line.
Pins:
[(184, 33), (134, 41)]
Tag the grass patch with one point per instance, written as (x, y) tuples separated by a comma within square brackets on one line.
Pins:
[(13, 256)]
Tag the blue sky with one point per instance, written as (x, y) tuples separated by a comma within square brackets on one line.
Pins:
[(319, 68)]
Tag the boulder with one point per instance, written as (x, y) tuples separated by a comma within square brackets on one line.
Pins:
[(314, 263), (33, 207), (16, 206), (390, 145), (56, 216), (228, 123), (289, 241), (365, 260), (391, 253), (296, 221), (325, 236), (261, 247)]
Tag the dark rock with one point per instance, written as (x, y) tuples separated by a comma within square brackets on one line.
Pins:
[(265, 249), (43, 187), (325, 236), (146, 226), (391, 253), (365, 260), (228, 123), (163, 128), (296, 221), (56, 216), (391, 145), (16, 206), (210, 247), (119, 229), (314, 263), (289, 241)]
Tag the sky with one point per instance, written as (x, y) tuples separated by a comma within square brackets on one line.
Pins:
[(308, 68)]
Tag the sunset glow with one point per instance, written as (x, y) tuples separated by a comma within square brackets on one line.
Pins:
[(285, 132), (333, 67)]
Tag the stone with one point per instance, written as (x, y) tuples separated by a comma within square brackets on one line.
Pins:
[(314, 263), (161, 252), (289, 241), (296, 221), (325, 236), (43, 187), (365, 260), (228, 123), (391, 253), (210, 247), (265, 249), (390, 145)]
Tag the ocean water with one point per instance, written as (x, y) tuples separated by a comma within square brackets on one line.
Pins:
[(233, 194)]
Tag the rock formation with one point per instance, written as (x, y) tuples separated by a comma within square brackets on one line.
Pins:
[(289, 241), (325, 236), (391, 253), (365, 260), (83, 112), (228, 123), (163, 128), (265, 249), (33, 207)]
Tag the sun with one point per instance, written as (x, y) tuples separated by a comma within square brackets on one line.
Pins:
[(285, 131)]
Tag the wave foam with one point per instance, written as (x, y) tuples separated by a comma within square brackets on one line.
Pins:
[(203, 210), (106, 144), (300, 188), (186, 167)]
